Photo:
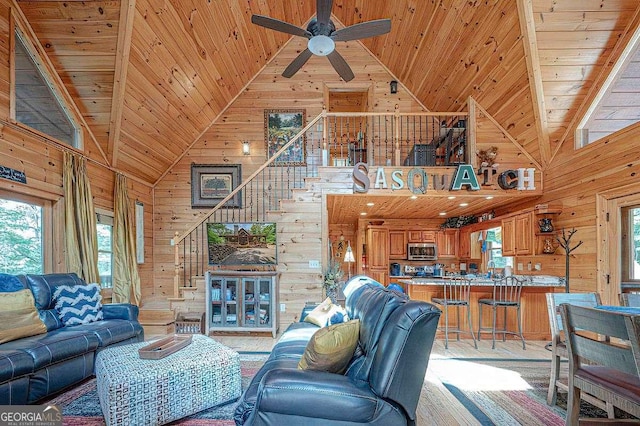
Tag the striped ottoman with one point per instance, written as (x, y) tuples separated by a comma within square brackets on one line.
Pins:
[(134, 391)]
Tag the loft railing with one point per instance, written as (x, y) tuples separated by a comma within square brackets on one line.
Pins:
[(330, 139)]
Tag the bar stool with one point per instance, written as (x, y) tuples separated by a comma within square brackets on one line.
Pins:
[(506, 294), (456, 293)]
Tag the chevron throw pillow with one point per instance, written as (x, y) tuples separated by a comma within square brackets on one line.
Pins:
[(78, 304)]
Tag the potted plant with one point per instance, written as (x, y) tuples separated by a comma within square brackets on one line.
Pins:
[(331, 279)]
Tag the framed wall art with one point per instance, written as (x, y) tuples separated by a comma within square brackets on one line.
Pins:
[(210, 184), (280, 126)]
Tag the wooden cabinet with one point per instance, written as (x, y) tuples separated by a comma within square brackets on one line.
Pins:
[(397, 245), (418, 236), (517, 235), (242, 301), (378, 253), (447, 241), (464, 244)]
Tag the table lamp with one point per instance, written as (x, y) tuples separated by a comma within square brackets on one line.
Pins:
[(348, 257)]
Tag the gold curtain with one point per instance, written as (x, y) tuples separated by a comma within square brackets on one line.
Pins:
[(126, 281), (80, 219)]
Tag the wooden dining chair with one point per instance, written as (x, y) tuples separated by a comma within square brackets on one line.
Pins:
[(607, 369), (506, 294), (456, 293), (559, 347), (630, 299)]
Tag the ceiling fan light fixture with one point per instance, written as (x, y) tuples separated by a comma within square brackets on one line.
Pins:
[(321, 45)]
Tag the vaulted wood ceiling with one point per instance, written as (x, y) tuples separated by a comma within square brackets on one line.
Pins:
[(150, 76)]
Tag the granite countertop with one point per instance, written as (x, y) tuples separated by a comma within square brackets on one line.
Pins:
[(530, 281)]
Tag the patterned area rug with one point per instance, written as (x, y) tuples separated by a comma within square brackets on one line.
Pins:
[(508, 392), (81, 407)]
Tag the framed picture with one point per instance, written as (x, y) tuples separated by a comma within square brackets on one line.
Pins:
[(280, 126), (210, 184)]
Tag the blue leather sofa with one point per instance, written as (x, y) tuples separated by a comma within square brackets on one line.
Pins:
[(32, 368), (382, 383)]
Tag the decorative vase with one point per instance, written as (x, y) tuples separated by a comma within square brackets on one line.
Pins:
[(545, 225), (548, 247)]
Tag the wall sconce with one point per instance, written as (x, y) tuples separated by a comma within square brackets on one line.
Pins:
[(393, 86), (246, 149)]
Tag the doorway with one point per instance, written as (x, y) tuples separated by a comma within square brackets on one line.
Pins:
[(347, 134)]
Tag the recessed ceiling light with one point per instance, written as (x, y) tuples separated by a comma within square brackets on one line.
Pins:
[(414, 197), (451, 197), (464, 204), (370, 204), (489, 197), (363, 213), (442, 213)]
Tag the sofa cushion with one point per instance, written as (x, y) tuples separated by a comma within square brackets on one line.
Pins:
[(55, 346), (18, 316), (9, 283), (321, 314), (14, 363), (111, 331), (331, 348), (78, 304), (43, 287)]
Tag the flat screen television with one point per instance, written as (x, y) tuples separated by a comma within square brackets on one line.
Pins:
[(242, 243)]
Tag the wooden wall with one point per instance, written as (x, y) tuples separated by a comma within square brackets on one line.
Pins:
[(244, 120), (41, 159)]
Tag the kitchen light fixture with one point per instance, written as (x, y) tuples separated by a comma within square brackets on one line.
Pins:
[(393, 87), (363, 213), (370, 204), (451, 197), (348, 257), (489, 197), (246, 148), (414, 197), (464, 204), (442, 213)]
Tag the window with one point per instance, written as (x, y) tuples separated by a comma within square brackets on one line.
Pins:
[(21, 238), (630, 243), (105, 249), (37, 103), (492, 246)]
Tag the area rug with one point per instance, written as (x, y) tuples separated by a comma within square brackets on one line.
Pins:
[(507, 392), (81, 407)]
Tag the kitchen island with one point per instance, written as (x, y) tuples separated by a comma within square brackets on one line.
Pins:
[(535, 319)]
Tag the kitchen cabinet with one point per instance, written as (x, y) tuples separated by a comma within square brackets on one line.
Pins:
[(421, 236), (464, 244), (378, 253), (447, 241), (517, 235), (242, 301), (397, 245)]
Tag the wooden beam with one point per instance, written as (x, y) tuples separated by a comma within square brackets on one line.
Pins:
[(601, 79), (22, 25), (123, 48), (527, 27)]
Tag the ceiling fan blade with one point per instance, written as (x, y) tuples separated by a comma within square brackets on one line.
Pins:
[(297, 63), (323, 11), (362, 30), (283, 27), (340, 65)]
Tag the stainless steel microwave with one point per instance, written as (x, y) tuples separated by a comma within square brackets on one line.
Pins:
[(422, 251)]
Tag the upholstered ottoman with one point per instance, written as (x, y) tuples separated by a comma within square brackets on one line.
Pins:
[(135, 391)]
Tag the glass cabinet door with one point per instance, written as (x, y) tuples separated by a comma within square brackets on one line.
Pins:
[(230, 311), (216, 285), (249, 305), (264, 301)]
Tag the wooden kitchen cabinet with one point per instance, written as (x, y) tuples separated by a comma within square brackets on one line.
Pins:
[(397, 245), (422, 236), (517, 235), (447, 241), (464, 244), (378, 253)]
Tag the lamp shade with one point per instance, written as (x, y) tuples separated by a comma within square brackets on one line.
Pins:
[(321, 45), (348, 256)]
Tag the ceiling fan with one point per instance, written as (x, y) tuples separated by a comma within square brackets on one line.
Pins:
[(322, 35)]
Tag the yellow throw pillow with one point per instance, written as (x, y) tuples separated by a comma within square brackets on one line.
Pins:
[(331, 348), (321, 314), (19, 316)]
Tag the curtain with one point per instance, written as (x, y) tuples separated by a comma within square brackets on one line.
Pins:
[(80, 219), (126, 281)]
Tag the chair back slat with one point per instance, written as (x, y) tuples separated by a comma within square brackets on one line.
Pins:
[(554, 300), (630, 299), (507, 290), (458, 289)]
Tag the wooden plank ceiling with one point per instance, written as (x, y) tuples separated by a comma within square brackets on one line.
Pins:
[(183, 61)]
